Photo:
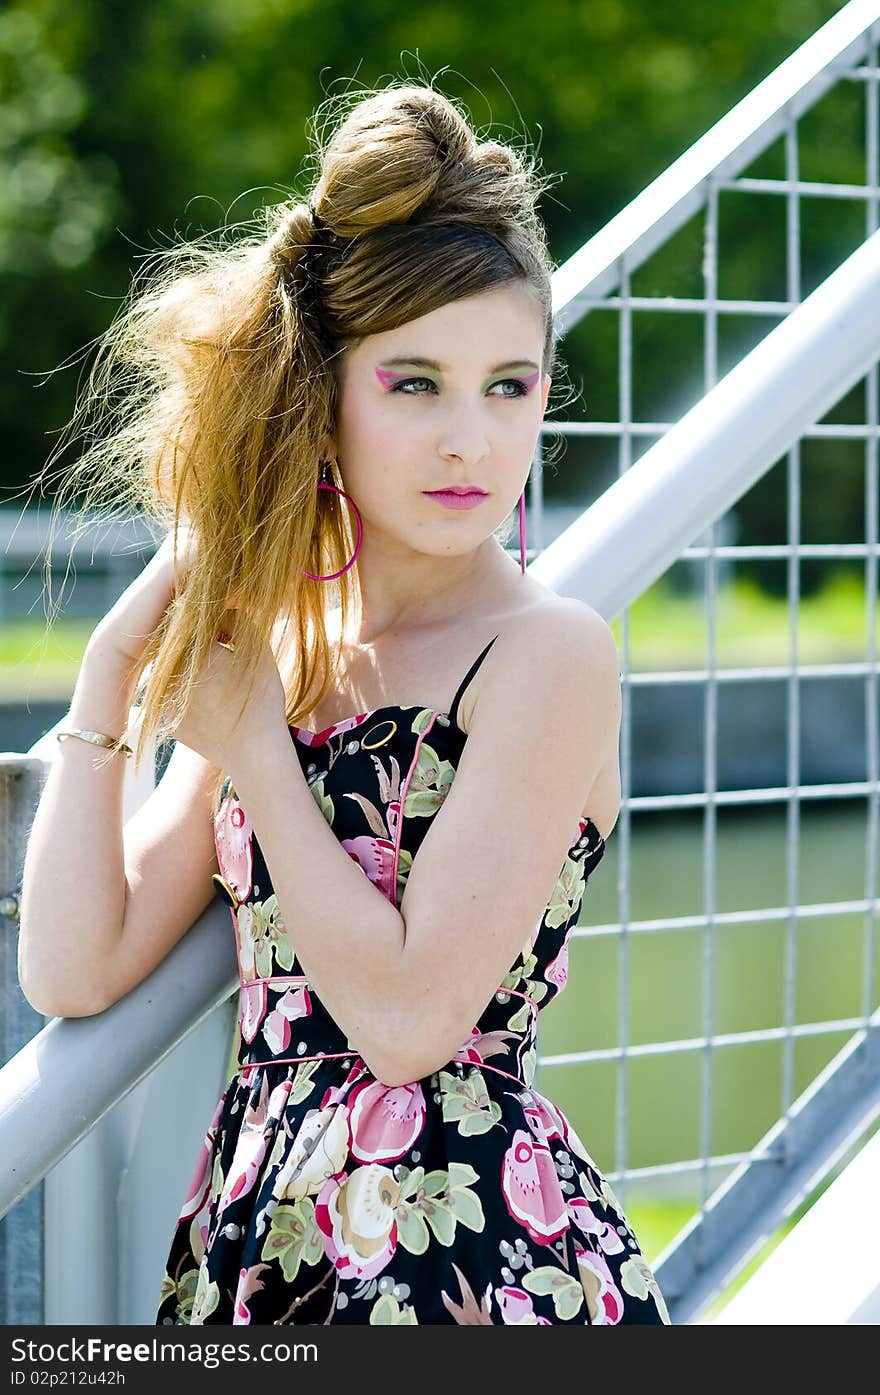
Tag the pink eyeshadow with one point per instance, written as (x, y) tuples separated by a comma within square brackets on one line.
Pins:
[(388, 379)]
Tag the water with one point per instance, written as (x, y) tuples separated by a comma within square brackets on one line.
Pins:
[(665, 997)]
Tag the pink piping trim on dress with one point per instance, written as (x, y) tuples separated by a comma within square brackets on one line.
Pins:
[(352, 1056), (281, 978), (515, 993), (403, 793)]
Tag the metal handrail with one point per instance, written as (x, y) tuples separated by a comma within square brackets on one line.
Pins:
[(723, 445), (51, 1095), (734, 142)]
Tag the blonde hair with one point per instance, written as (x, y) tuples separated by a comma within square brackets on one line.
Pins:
[(218, 378)]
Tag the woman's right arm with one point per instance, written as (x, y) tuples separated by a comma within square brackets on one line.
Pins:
[(73, 889), (101, 905)]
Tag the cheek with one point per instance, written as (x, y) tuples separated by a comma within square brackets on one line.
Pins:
[(377, 463), (367, 431), (378, 485)]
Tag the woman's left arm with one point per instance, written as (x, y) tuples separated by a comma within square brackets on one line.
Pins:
[(347, 935), (407, 985)]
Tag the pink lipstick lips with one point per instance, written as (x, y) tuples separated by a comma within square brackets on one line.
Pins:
[(457, 496)]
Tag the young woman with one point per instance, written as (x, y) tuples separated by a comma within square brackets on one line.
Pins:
[(341, 414)]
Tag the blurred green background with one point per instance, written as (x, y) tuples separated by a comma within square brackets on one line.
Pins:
[(126, 126)]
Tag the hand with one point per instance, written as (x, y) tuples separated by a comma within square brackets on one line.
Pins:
[(128, 624), (211, 725)]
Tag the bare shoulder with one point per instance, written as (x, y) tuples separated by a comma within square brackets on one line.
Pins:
[(567, 647), (553, 679), (567, 618), (562, 648)]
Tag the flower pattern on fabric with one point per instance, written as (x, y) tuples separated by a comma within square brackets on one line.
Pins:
[(322, 1195)]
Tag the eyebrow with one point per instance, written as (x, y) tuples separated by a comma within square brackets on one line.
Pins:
[(416, 361)]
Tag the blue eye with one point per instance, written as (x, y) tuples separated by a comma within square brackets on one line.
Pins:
[(521, 388)]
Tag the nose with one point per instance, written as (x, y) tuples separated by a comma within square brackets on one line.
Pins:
[(464, 437)]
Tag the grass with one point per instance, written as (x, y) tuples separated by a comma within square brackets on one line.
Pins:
[(669, 630), (38, 663)]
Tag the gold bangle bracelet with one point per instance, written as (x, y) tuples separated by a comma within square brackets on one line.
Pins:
[(97, 738)]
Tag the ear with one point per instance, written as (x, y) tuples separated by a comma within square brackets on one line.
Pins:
[(546, 391)]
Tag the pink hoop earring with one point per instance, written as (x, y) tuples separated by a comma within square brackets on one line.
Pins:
[(324, 483), (522, 532)]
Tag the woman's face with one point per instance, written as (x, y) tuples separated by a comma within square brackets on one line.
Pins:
[(471, 417)]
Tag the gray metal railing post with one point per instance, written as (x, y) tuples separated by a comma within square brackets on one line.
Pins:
[(22, 1231)]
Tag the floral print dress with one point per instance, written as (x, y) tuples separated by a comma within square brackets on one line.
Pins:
[(322, 1195)]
